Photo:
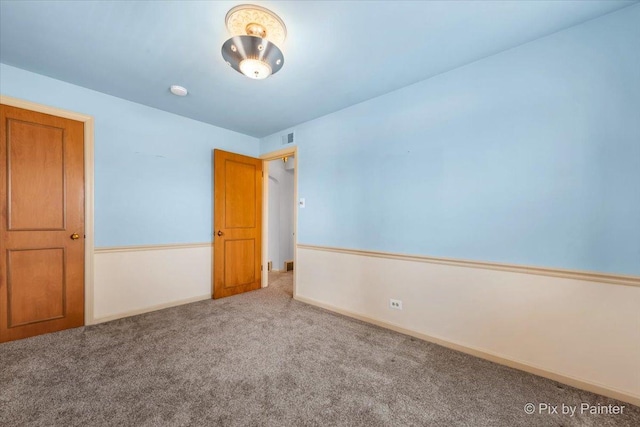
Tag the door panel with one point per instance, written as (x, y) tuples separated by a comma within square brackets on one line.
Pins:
[(240, 194), (36, 285), (41, 207), (237, 224), (240, 265), (35, 166)]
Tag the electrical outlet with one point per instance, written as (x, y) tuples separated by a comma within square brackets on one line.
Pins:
[(396, 304)]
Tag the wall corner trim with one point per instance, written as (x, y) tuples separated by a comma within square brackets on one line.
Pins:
[(613, 279), (483, 354)]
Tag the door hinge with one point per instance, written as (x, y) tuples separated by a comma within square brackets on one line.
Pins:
[(261, 267), (263, 174)]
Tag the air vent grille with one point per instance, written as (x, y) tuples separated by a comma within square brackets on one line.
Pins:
[(289, 138)]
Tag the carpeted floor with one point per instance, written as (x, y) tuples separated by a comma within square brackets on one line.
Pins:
[(263, 359)]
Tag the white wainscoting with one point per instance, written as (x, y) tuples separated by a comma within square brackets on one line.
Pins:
[(580, 332), (136, 279)]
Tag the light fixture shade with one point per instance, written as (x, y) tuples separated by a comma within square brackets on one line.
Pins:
[(253, 56), (255, 69)]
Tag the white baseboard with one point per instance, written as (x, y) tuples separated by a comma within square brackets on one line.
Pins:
[(483, 354), (150, 309)]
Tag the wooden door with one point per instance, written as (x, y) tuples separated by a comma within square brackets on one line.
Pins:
[(237, 224), (41, 223)]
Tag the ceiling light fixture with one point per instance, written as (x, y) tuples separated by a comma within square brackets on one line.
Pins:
[(252, 49)]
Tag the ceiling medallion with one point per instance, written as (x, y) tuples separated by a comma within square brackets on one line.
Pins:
[(252, 50)]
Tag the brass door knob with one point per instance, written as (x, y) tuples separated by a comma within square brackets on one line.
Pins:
[(75, 236), (220, 233)]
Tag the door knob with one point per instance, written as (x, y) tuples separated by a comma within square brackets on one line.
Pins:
[(220, 233), (75, 236)]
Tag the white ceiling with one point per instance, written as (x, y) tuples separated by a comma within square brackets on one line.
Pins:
[(337, 53)]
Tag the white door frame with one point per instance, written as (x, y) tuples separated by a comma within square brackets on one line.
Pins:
[(88, 188), (266, 158)]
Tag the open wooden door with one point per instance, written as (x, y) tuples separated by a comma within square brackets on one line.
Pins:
[(41, 223), (237, 224)]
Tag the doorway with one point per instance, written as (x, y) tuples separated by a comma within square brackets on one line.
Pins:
[(280, 218), (237, 260), (89, 125), (281, 205), (42, 221), (245, 266)]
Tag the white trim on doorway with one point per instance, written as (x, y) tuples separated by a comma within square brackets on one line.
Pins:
[(88, 188), (266, 158)]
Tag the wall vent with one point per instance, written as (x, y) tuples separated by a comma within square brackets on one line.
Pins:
[(289, 138), (288, 266)]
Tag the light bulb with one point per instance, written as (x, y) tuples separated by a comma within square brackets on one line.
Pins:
[(255, 69)]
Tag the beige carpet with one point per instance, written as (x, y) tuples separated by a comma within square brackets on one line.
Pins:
[(263, 359)]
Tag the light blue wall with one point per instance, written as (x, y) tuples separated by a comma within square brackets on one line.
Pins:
[(530, 156), (153, 169)]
